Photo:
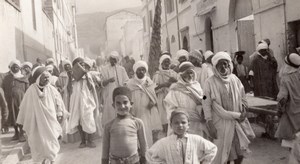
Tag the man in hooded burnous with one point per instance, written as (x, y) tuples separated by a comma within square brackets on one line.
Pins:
[(163, 78), (145, 101), (114, 76), (225, 111), (186, 94), (15, 85), (41, 111), (263, 71)]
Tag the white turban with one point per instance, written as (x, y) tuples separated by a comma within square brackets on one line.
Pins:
[(196, 53), (261, 46), (220, 55), (64, 62), (164, 57), (27, 64), (140, 64), (15, 62), (208, 54), (88, 61), (49, 60), (50, 67), (181, 53), (114, 54), (293, 59)]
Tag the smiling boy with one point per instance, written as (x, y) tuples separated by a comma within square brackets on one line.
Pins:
[(180, 147), (125, 134)]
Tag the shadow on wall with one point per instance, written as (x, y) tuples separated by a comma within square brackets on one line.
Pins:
[(28, 49)]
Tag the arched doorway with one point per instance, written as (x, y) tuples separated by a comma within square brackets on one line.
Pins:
[(209, 35)]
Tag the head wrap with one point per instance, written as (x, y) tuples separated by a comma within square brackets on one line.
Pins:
[(185, 66), (197, 54), (64, 62), (114, 54), (262, 46), (27, 64), (219, 56), (49, 61), (17, 62), (164, 57), (177, 112), (88, 61), (140, 64), (122, 91), (208, 54), (293, 60), (36, 72), (181, 53), (49, 67), (77, 60), (166, 53)]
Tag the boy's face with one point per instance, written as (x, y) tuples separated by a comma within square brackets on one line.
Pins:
[(122, 104), (180, 124)]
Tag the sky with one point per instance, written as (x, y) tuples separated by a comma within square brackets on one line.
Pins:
[(90, 6)]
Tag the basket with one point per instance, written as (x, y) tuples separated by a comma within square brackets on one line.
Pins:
[(78, 71)]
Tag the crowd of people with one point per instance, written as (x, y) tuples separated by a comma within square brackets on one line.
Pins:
[(191, 111)]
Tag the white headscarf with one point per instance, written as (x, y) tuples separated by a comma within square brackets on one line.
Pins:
[(181, 53), (138, 65), (19, 73), (287, 68), (162, 58), (64, 62), (217, 57), (261, 46), (27, 64), (208, 54)]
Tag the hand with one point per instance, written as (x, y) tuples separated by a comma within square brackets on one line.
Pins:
[(212, 129), (111, 80), (172, 80), (60, 119), (243, 116)]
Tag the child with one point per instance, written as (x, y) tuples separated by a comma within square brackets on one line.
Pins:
[(180, 147), (125, 134), (241, 71)]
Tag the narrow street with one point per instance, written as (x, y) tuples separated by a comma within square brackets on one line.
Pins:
[(264, 151)]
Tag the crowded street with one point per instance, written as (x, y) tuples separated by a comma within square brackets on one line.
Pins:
[(150, 82)]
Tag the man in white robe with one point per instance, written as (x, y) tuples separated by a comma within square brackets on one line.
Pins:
[(145, 101), (187, 95), (163, 78), (83, 106), (225, 111), (114, 76), (41, 111)]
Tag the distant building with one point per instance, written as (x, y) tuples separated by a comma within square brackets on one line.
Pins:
[(120, 30), (25, 32)]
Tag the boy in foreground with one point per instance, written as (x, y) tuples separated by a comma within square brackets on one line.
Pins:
[(181, 147), (125, 134)]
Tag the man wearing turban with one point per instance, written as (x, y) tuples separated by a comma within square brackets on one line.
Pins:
[(15, 85), (114, 76), (186, 94), (41, 111), (145, 101), (163, 78), (263, 70), (225, 110)]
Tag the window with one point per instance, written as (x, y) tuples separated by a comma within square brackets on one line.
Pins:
[(15, 3), (144, 24), (33, 14), (150, 18), (169, 6), (172, 39)]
